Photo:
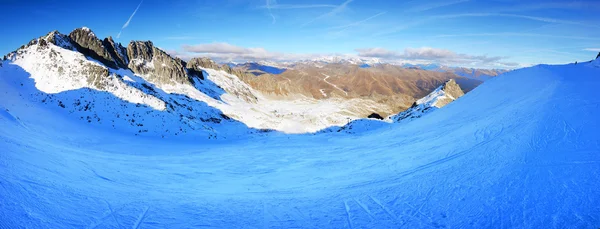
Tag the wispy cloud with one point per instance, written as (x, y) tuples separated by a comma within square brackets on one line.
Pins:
[(333, 12), (339, 30), (466, 15), (268, 6), (288, 6), (435, 5), (359, 22), (533, 18), (513, 34), (230, 52), (562, 5), (592, 49), (129, 20), (224, 52)]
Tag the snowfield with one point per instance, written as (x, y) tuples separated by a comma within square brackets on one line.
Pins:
[(520, 151)]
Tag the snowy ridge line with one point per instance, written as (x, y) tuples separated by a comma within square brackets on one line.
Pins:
[(54, 75), (59, 69)]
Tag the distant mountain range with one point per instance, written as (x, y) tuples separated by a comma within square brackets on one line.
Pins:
[(268, 67)]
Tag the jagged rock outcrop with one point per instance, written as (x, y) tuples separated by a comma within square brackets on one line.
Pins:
[(452, 91), (195, 64), (440, 97), (160, 67), (89, 45), (598, 56), (59, 39), (202, 62), (116, 51)]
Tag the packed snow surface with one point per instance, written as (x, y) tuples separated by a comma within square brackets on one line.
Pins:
[(520, 151)]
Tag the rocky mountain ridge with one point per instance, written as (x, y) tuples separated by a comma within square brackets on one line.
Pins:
[(102, 82)]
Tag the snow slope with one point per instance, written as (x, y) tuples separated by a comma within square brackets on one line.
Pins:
[(520, 151)]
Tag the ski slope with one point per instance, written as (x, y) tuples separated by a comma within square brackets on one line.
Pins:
[(520, 151)]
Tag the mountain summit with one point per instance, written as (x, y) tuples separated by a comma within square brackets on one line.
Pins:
[(158, 142), (301, 99)]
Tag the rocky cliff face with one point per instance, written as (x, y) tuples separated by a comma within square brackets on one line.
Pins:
[(159, 66), (440, 97), (202, 62), (141, 57), (88, 44), (195, 66), (117, 52), (59, 39), (452, 92)]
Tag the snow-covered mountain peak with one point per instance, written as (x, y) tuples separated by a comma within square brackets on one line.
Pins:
[(164, 92), (88, 30)]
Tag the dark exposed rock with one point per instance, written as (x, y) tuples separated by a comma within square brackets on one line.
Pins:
[(159, 66), (598, 56), (375, 116), (196, 73), (202, 62), (142, 50), (89, 45), (195, 64), (116, 51), (43, 43)]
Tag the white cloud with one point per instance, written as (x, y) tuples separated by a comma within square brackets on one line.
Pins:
[(434, 55), (129, 20), (377, 52), (224, 52), (228, 52)]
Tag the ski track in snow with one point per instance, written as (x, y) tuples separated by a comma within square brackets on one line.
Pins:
[(524, 158)]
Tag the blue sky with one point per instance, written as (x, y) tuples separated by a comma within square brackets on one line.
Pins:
[(501, 33)]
